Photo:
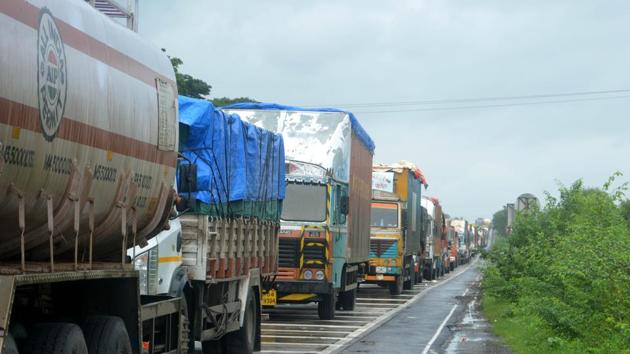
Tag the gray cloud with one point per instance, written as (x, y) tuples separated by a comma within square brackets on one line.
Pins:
[(331, 52)]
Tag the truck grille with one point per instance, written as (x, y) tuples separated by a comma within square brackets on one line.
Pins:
[(383, 248), (314, 255), (289, 255)]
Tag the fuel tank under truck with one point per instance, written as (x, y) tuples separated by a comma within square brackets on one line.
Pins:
[(88, 133)]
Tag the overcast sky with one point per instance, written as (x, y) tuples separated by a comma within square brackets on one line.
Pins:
[(331, 52)]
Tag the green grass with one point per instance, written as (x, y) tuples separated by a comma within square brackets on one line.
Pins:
[(523, 333)]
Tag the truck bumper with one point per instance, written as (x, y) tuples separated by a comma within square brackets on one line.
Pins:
[(379, 278), (377, 274), (303, 287), (373, 270)]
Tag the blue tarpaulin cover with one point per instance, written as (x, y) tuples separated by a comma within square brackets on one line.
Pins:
[(356, 126), (240, 167)]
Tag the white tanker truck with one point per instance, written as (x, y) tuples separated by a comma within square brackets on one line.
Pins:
[(88, 157)]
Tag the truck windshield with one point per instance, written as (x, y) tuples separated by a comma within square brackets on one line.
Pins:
[(384, 215), (304, 202)]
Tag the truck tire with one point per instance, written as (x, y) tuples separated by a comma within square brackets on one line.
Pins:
[(243, 340), (347, 300), (106, 335), (55, 338), (428, 272), (396, 287), (409, 271), (326, 306), (408, 284), (212, 347)]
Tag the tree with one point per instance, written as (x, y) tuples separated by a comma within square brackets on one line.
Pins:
[(625, 210), (499, 221), (186, 84), (197, 88), (225, 101)]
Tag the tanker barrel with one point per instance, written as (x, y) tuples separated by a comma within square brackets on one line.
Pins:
[(88, 139)]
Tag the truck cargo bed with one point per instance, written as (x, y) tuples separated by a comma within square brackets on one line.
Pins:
[(220, 249)]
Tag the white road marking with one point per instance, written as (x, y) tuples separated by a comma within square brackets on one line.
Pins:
[(290, 351), (298, 344), (271, 331), (284, 324), (441, 327), (300, 337)]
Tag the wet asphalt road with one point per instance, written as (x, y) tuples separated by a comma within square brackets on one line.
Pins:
[(445, 320), (296, 329)]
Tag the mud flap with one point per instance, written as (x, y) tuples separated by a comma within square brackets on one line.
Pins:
[(244, 287)]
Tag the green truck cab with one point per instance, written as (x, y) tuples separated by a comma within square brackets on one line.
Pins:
[(325, 223), (396, 228), (314, 221)]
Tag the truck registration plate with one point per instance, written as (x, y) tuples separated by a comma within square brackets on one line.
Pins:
[(269, 298), (381, 270)]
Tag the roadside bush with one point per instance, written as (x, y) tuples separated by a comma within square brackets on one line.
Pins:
[(567, 268)]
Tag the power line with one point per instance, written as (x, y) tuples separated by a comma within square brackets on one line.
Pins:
[(478, 99), (494, 105)]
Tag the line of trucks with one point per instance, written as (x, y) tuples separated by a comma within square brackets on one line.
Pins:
[(135, 220)]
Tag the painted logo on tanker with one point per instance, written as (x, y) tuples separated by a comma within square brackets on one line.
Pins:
[(52, 82)]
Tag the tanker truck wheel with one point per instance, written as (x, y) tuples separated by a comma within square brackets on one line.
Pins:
[(243, 340), (326, 306), (106, 335), (396, 287), (55, 338)]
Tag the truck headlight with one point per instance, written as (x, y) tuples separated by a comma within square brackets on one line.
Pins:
[(147, 266), (319, 275), (308, 275)]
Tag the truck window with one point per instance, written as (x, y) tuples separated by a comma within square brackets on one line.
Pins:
[(304, 202), (384, 215), (340, 218)]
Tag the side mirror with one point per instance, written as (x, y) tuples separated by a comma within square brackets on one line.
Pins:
[(344, 205), (187, 178), (187, 184), (179, 241)]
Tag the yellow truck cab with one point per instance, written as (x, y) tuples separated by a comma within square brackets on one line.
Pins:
[(396, 228)]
